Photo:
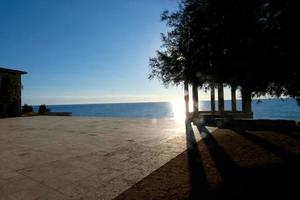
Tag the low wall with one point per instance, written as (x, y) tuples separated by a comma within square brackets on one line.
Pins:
[(48, 114)]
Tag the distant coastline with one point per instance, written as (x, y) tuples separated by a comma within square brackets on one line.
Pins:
[(262, 108), (142, 102)]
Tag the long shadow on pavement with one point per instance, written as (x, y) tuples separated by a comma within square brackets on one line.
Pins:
[(255, 182), (198, 179), (188, 175)]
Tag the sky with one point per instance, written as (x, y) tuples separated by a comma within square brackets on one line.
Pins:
[(85, 51)]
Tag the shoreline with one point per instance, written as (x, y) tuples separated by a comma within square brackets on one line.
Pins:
[(50, 115)]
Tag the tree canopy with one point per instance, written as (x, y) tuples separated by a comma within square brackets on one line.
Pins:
[(254, 44)]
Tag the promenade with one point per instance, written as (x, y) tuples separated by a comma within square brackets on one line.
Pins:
[(75, 158)]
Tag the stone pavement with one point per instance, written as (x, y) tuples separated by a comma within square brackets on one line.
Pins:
[(227, 164), (82, 158)]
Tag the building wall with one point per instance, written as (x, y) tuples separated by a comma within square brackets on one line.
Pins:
[(10, 94)]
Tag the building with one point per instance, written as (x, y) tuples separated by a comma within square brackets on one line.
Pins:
[(10, 92)]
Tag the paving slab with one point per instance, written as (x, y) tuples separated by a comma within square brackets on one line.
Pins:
[(49, 157)]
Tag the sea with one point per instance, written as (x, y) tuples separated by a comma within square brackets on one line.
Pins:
[(262, 109)]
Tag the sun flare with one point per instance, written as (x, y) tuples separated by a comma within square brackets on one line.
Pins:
[(178, 110)]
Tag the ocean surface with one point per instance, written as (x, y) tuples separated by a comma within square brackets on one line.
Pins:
[(265, 109)]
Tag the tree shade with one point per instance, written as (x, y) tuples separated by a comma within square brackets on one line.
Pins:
[(253, 44)]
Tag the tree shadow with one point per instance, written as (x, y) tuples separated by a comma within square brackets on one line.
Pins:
[(198, 180), (288, 157), (270, 181), (206, 170), (293, 135), (227, 168)]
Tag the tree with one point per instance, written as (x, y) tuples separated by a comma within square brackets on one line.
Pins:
[(251, 43)]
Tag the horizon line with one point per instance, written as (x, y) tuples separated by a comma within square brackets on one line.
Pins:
[(140, 102)]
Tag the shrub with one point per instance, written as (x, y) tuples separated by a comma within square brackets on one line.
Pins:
[(26, 109), (43, 109)]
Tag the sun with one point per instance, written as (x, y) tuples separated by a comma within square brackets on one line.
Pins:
[(178, 110)]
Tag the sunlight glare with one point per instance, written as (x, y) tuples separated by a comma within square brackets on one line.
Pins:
[(178, 110)]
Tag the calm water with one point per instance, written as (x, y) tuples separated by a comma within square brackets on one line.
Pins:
[(266, 109)]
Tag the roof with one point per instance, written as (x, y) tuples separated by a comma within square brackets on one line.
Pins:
[(13, 71)]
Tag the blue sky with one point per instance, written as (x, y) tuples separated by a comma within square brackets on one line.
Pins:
[(84, 51)]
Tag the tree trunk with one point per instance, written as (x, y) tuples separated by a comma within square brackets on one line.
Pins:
[(212, 97), (186, 98), (233, 98), (246, 100), (221, 97), (195, 99)]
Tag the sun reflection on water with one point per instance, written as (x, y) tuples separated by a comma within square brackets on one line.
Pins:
[(178, 108)]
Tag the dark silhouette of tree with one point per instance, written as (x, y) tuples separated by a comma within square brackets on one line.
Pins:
[(43, 109), (250, 43)]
